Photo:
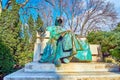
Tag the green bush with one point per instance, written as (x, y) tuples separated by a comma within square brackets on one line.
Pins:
[(109, 41), (109, 60), (23, 58), (6, 60)]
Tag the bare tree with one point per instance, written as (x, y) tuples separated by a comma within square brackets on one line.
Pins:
[(46, 13), (97, 15), (84, 16), (9, 2), (80, 16)]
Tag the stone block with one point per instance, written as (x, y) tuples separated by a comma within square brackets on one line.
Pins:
[(96, 53), (39, 67), (94, 49)]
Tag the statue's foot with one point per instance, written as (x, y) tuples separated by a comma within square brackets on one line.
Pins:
[(57, 63), (40, 61), (66, 60)]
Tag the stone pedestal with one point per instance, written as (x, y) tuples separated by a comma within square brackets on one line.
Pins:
[(71, 71)]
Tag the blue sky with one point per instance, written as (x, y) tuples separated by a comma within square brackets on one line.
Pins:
[(34, 2), (117, 5), (116, 2)]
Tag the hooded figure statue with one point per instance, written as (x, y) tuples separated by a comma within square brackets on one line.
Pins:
[(63, 45)]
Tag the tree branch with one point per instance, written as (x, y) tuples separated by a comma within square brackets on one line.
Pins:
[(48, 1), (23, 4)]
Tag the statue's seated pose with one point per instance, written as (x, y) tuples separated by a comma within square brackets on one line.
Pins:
[(64, 45)]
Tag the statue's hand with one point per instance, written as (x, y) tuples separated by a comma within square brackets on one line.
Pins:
[(68, 30), (63, 33)]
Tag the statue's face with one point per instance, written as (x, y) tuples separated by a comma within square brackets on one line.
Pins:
[(58, 22)]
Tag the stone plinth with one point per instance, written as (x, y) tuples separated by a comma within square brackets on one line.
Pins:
[(39, 67)]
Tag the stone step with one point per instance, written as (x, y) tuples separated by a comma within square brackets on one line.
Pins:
[(71, 67), (83, 67), (21, 75), (39, 67)]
